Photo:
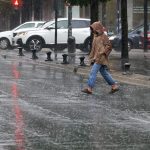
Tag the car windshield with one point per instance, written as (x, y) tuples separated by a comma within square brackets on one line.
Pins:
[(63, 24), (139, 29), (46, 24), (40, 25), (28, 25)]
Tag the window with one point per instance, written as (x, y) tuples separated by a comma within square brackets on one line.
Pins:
[(80, 24), (39, 24), (28, 25), (63, 24)]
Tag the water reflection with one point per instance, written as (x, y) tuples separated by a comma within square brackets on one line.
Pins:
[(19, 132), (60, 117), (72, 59), (15, 72)]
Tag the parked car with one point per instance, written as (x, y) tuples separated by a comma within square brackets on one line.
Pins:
[(134, 39), (45, 36), (148, 39), (6, 36)]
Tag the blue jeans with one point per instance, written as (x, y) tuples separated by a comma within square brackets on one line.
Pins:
[(103, 70)]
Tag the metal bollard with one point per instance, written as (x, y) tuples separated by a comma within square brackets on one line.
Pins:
[(20, 47), (34, 56), (71, 44), (126, 68), (82, 61), (65, 59), (49, 57), (20, 51)]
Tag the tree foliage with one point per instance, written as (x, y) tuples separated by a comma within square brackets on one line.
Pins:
[(93, 6)]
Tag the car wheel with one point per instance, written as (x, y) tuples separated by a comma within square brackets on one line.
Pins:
[(4, 43), (87, 45), (34, 43)]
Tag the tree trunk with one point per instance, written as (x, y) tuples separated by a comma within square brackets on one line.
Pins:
[(94, 15), (104, 13), (145, 25), (94, 11), (124, 23)]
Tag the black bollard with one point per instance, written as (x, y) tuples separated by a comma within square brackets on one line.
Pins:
[(49, 56), (20, 47), (82, 61), (65, 59), (75, 69), (71, 44), (34, 56), (126, 68), (20, 51)]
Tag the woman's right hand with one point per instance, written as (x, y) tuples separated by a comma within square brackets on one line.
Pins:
[(92, 62)]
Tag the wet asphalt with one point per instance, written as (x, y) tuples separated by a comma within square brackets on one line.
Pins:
[(42, 108)]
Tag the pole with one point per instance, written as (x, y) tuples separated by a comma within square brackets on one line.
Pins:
[(124, 29), (71, 39), (69, 20), (32, 10), (70, 47), (20, 15), (145, 25), (118, 16), (56, 17)]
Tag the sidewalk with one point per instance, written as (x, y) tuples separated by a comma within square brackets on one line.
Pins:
[(139, 71)]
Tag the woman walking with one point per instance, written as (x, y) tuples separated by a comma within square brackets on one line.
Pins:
[(101, 48)]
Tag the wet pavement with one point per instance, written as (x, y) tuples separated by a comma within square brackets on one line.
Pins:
[(140, 61), (42, 108)]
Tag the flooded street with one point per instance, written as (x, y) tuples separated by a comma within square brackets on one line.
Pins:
[(42, 108)]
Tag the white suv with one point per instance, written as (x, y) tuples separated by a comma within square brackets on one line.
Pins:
[(6, 36), (45, 36)]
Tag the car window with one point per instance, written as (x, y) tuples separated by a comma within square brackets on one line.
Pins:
[(141, 29), (39, 24), (28, 25), (80, 24), (62, 24), (47, 24)]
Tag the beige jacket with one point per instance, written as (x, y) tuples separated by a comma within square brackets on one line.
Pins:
[(101, 46)]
